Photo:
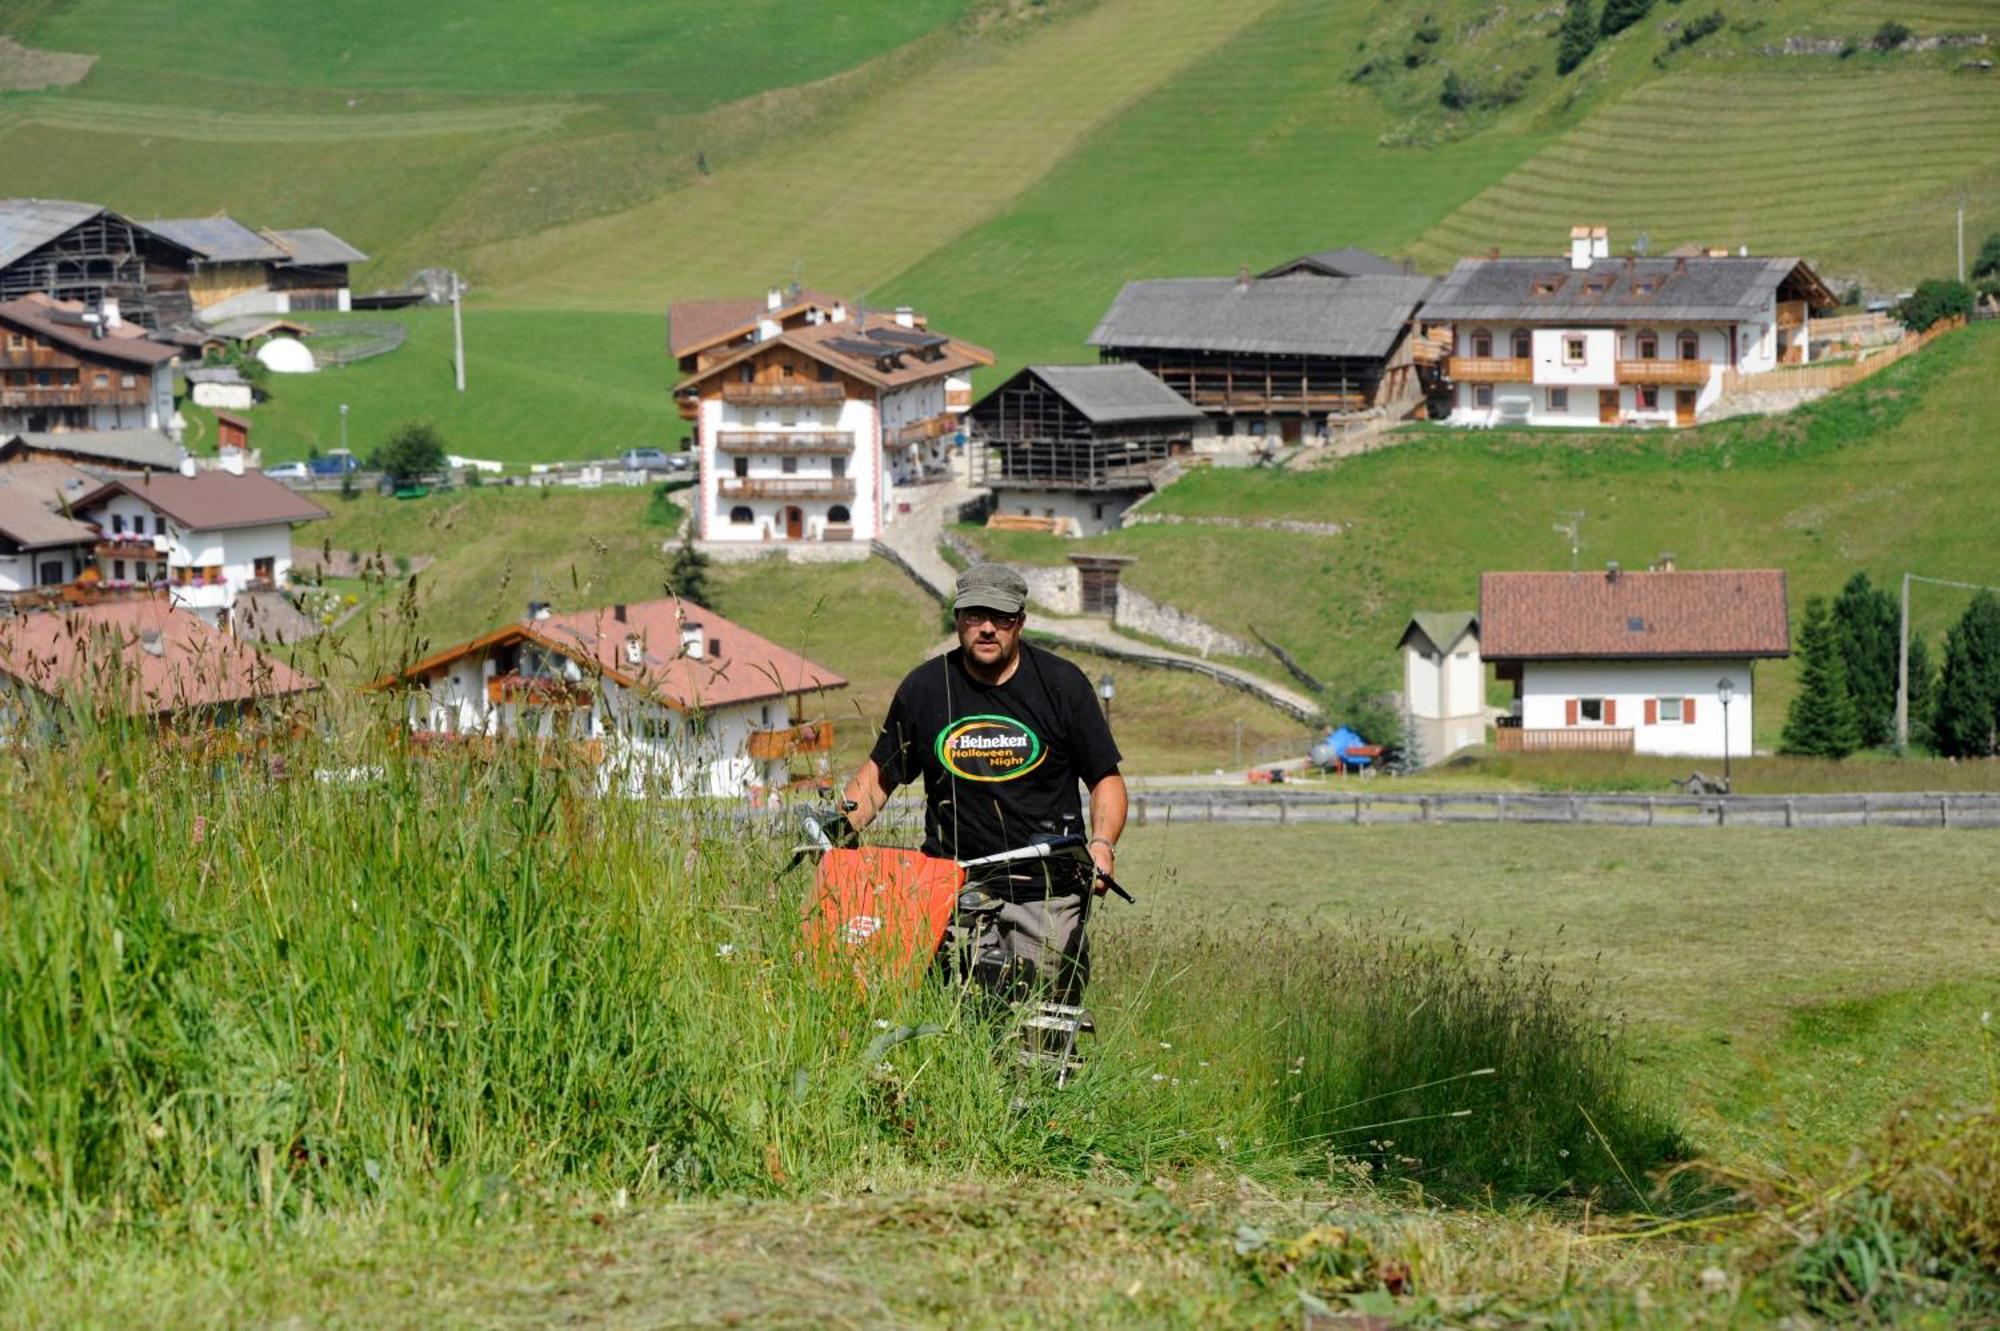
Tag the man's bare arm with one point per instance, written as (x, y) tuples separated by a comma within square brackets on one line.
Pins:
[(1107, 820), (867, 794)]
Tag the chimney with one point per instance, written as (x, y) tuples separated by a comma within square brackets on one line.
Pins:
[(108, 308), (1243, 277), (1611, 571), (1742, 251), (1493, 251), (692, 641), (1579, 248), (1681, 266), (189, 467), (618, 612), (905, 317), (1665, 563), (635, 649), (774, 299), (839, 314), (232, 461), (1600, 242), (538, 610), (715, 648)]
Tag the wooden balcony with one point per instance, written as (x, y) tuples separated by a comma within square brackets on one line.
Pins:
[(782, 395), (935, 427), (1490, 370), (787, 487), (1690, 372), (778, 745), (535, 691), (785, 441), (127, 547), (73, 395), (1563, 739), (1792, 313)]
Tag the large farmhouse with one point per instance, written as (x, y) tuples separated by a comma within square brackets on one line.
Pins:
[(1077, 445), (1316, 341), (1598, 340), (668, 697), (87, 253), (808, 422), (68, 366), (1662, 661)]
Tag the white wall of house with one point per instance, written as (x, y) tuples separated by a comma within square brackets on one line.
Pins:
[(1564, 389), (229, 397), (1547, 687), (1088, 512), (235, 551), (25, 570), (649, 750), (1448, 686), (854, 416)]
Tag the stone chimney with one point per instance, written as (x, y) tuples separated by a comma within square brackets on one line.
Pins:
[(1579, 247)]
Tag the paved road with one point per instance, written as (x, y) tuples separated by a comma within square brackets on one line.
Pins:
[(913, 538)]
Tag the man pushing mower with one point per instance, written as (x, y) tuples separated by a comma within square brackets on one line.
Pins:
[(1003, 733)]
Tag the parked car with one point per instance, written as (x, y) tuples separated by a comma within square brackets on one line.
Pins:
[(288, 471), (334, 462), (645, 459), (680, 461)]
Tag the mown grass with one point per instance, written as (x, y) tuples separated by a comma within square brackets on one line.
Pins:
[(1885, 477)]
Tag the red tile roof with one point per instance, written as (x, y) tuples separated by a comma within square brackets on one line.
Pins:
[(825, 342), (747, 668), (1720, 612), (213, 500), (111, 644)]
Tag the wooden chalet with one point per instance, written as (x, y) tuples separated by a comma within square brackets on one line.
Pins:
[(1076, 445), (90, 254), (67, 366), (1284, 355)]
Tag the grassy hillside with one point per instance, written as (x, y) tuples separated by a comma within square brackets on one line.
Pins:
[(539, 385), (1893, 475)]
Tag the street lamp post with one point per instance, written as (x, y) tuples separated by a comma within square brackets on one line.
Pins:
[(1725, 691), (1107, 691), (343, 427)]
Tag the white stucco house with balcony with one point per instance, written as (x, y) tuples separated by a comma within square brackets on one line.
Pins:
[(810, 417), (1600, 340), (1637, 662), (660, 698), (1444, 681), (207, 536)]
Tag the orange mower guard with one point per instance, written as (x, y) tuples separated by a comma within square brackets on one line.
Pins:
[(879, 914)]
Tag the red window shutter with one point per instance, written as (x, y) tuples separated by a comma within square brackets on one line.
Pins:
[(1569, 712), (1687, 711), (1610, 711), (1652, 711)]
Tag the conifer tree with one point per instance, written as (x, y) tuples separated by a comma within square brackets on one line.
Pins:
[(1821, 722), (1577, 37), (1622, 14), (1870, 627), (687, 577), (1923, 692), (1966, 716)]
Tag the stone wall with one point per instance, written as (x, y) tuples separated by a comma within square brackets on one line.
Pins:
[(1140, 613)]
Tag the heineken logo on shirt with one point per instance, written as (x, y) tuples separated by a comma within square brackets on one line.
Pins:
[(989, 748)]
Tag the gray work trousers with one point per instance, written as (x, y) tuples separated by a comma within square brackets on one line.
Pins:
[(1017, 946)]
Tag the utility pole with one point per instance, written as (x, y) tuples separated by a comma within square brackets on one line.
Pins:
[(1903, 652), (1961, 236), (1574, 530), (457, 333)]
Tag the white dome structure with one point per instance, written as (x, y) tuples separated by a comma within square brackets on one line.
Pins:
[(286, 355)]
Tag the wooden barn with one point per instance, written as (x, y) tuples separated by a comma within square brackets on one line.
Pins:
[(1076, 445), (86, 253), (1289, 355)]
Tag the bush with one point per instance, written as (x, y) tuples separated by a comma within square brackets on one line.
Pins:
[(1622, 14), (1697, 28), (413, 451), (1987, 262), (1463, 95), (1935, 300), (1890, 35), (1577, 37)]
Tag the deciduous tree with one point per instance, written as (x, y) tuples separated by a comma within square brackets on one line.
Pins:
[(413, 450)]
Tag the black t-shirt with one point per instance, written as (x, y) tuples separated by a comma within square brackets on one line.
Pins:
[(1000, 762)]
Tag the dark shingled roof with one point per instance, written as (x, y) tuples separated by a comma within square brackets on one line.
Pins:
[(314, 247), (60, 321), (1114, 394), (28, 224), (1303, 316), (101, 450), (1345, 262), (1568, 616), (216, 239), (1695, 289), (214, 500)]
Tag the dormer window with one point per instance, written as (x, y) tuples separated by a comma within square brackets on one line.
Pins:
[(1645, 286), (1547, 286), (1596, 286)]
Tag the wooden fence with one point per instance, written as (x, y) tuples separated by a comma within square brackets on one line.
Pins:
[(1796, 378), (1284, 808)]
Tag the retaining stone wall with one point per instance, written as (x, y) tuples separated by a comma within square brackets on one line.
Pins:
[(1140, 613)]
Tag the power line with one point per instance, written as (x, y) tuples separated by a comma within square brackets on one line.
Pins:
[(1903, 650)]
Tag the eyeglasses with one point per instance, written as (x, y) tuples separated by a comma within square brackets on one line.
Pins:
[(998, 620)]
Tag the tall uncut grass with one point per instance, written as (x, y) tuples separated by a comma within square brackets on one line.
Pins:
[(247, 980)]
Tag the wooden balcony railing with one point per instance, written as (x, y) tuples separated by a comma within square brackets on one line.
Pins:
[(1563, 739), (806, 737), (935, 427), (786, 441), (787, 487), (1490, 370), (779, 395), (1792, 313), (1663, 371), (535, 691), (73, 395)]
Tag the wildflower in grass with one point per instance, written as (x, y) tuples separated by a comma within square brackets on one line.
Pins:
[(726, 950), (200, 832)]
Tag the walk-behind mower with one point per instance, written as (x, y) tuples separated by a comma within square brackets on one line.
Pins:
[(884, 917)]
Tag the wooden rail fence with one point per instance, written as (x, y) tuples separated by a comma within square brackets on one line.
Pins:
[(1798, 377)]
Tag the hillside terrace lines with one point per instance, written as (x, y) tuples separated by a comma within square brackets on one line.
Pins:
[(900, 175), (107, 117), (1792, 160)]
